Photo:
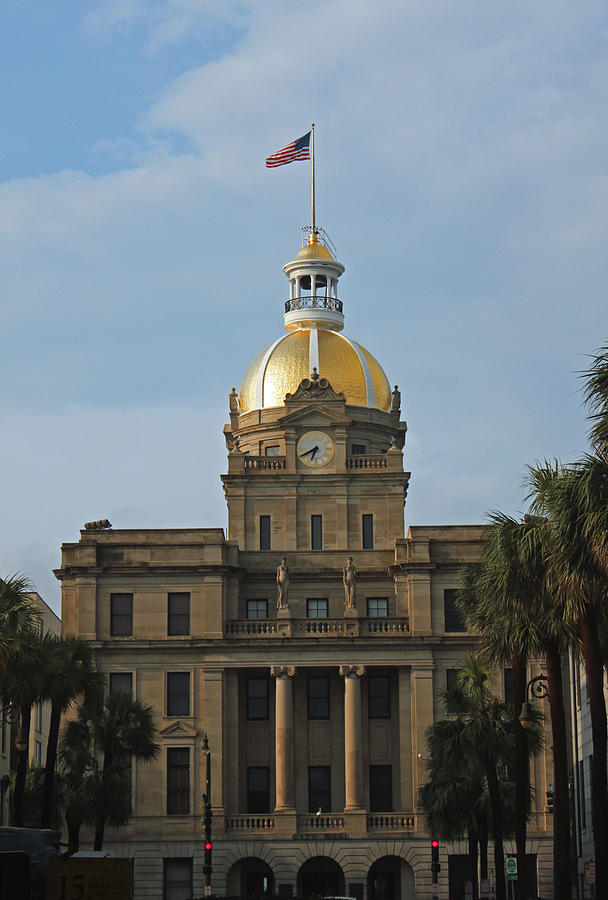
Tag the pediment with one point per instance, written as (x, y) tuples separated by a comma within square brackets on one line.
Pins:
[(315, 389), (315, 415), (178, 730)]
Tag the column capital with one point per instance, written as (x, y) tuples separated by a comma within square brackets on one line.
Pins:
[(282, 671), (352, 671)]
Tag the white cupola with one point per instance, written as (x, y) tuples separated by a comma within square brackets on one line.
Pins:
[(313, 285)]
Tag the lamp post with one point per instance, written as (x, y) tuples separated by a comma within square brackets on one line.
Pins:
[(536, 689), (207, 817), (10, 715)]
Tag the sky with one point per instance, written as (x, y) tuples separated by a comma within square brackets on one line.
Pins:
[(461, 153)]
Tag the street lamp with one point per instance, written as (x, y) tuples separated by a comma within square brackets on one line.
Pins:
[(536, 689), (10, 715), (207, 817)]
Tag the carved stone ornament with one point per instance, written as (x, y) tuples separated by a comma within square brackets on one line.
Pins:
[(315, 388), (99, 525), (282, 671), (352, 671)]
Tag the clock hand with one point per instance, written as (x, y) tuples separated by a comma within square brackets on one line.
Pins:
[(312, 450)]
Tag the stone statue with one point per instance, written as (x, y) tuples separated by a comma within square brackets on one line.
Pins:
[(282, 584), (233, 400), (349, 577), (396, 400)]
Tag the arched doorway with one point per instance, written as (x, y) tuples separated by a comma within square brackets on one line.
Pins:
[(390, 878), (249, 878), (320, 877)]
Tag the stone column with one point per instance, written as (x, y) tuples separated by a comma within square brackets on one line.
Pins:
[(284, 744), (353, 749)]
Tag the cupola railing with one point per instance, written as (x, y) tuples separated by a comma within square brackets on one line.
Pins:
[(314, 302)]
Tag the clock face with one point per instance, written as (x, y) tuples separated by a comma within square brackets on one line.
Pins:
[(315, 449)]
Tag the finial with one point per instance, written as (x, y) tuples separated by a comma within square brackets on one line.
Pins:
[(315, 375)]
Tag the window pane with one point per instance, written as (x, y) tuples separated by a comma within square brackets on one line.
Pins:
[(377, 607), (258, 794), (264, 532), (453, 619), (318, 698), (121, 615), (316, 608), (316, 532), (121, 681), (380, 788), (272, 451), (178, 781), (358, 449), (178, 693), (319, 789), (257, 698), (368, 532), (451, 683), (177, 879), (379, 696), (257, 609), (178, 613)]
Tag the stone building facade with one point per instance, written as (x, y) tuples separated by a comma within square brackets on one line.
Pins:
[(311, 646)]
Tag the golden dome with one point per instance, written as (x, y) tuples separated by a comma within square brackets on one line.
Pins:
[(348, 367), (314, 251)]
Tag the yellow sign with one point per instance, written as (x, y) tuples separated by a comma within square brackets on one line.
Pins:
[(88, 879)]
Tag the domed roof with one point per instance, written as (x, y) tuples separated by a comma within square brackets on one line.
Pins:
[(314, 251), (348, 367)]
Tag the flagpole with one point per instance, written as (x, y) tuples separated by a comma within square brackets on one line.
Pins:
[(312, 180)]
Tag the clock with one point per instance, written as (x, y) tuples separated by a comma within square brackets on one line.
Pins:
[(315, 449)]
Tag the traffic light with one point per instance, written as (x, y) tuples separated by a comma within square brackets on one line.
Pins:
[(550, 801), (207, 859), (435, 867)]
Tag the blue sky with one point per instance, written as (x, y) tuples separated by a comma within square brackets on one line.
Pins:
[(461, 152)]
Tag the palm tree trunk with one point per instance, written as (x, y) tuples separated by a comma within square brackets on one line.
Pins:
[(496, 807), (473, 858), (522, 772), (483, 848), (561, 816), (100, 827), (73, 824), (49, 769), (26, 716), (599, 774)]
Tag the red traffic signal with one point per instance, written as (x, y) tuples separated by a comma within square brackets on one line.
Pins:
[(434, 844), (207, 845)]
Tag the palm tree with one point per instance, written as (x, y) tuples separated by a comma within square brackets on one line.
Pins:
[(575, 500), (596, 397), (510, 601), (78, 776), (69, 674), (17, 613), (122, 728)]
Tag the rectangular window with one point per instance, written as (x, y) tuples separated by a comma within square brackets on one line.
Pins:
[(38, 716), (257, 609), (358, 449), (178, 613), (257, 698), (3, 739), (121, 615), (379, 697), (39, 626), (177, 879), (264, 532), (367, 528), (178, 693), (275, 450), (37, 753), (318, 698), (508, 686), (121, 681), (316, 532), (258, 789), (583, 805), (377, 607), (178, 781), (451, 684), (381, 788), (319, 789), (316, 608), (453, 620)]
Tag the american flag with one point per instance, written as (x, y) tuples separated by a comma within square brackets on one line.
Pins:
[(296, 150)]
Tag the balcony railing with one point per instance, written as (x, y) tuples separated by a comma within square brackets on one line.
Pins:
[(320, 822), (311, 823), (264, 463), (313, 302), (249, 823), (391, 822), (316, 628), (367, 461)]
